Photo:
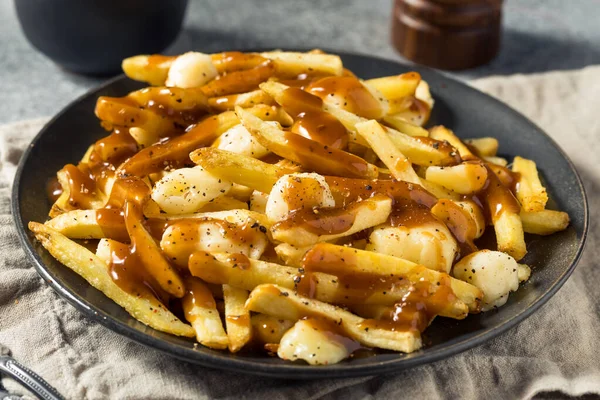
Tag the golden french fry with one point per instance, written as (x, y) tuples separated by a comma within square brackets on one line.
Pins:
[(237, 216), (399, 165), (363, 267), (150, 254), (420, 150), (545, 222), (509, 235), (290, 64), (224, 203), (220, 268), (268, 329), (411, 109), (91, 224), (496, 160), (309, 153), (243, 170), (424, 94), (442, 133), (145, 308), (439, 191), (143, 137), (231, 61), (307, 227), (276, 91), (244, 100), (151, 69), (397, 86), (283, 303), (201, 311), (120, 111), (401, 125), (239, 81), (237, 317), (485, 146), (530, 191), (291, 255), (464, 178), (176, 151)]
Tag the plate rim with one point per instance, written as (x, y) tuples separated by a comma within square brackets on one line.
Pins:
[(288, 370)]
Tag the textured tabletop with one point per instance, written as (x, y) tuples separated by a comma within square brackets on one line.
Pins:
[(539, 35)]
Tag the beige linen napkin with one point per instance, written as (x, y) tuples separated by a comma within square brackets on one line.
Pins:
[(558, 348)]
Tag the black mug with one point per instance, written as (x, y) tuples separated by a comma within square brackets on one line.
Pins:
[(93, 36)]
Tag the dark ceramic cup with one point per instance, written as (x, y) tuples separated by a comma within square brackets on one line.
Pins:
[(93, 36)]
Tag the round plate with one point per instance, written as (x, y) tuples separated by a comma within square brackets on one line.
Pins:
[(465, 110)]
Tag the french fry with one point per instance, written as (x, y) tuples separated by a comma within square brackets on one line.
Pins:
[(224, 203), (151, 69), (239, 81), (509, 235), (399, 165), (268, 329), (401, 125), (485, 146), (290, 64), (145, 308), (176, 151), (496, 160), (237, 318), (91, 224), (442, 133), (309, 153), (218, 268), (396, 86), (243, 170), (201, 311), (464, 178), (545, 222), (183, 105), (283, 303), (530, 191), (424, 94), (439, 191), (244, 100), (231, 61), (118, 111), (151, 256), (355, 218), (143, 137), (290, 254), (328, 258), (419, 150), (410, 109)]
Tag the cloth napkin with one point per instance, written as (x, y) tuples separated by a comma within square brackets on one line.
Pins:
[(556, 349)]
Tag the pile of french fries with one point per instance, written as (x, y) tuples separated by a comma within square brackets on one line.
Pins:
[(276, 201)]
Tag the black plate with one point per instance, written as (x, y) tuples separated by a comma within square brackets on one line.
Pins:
[(469, 112)]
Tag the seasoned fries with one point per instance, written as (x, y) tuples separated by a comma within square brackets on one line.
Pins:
[(530, 192), (276, 200)]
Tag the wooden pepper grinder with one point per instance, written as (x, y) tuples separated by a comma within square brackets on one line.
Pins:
[(447, 34)]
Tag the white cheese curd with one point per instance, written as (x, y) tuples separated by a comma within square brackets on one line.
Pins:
[(494, 272), (239, 140), (191, 69), (186, 190), (298, 191), (431, 244), (305, 342)]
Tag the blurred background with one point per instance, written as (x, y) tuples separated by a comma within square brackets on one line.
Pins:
[(537, 36)]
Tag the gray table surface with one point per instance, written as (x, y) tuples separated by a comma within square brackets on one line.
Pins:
[(539, 35)]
